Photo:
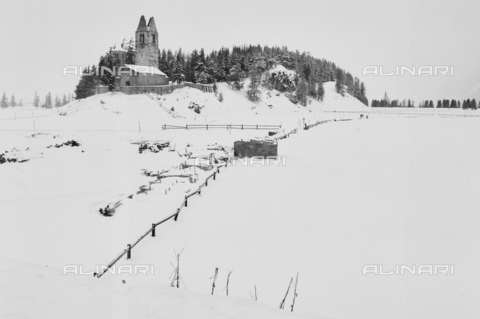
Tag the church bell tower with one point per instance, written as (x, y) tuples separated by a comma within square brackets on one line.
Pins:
[(146, 43)]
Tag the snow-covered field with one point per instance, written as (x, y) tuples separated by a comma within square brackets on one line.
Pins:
[(378, 191)]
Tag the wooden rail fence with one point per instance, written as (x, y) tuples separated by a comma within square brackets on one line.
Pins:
[(221, 126), (151, 230), (172, 113)]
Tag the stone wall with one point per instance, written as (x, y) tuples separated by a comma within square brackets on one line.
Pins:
[(255, 148), (102, 89), (139, 79), (158, 89)]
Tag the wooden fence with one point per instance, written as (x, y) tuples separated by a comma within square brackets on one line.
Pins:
[(422, 113), (151, 230), (172, 113), (221, 126), (174, 216)]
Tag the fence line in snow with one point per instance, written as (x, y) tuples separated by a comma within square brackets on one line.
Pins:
[(172, 113), (221, 126), (151, 230), (422, 113)]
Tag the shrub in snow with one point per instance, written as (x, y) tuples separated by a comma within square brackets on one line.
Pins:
[(196, 108), (220, 97), (154, 147), (3, 159), (71, 143)]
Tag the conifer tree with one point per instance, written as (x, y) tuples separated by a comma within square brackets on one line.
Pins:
[(349, 83), (130, 56), (253, 93), (320, 91), (340, 82), (179, 74), (48, 101), (162, 62), (302, 91), (88, 83), (12, 101), (236, 76), (4, 101), (107, 67), (339, 87), (57, 102)]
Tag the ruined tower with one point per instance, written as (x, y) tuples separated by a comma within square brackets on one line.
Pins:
[(146, 43)]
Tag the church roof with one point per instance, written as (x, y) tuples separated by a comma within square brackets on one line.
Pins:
[(151, 25), (119, 49), (145, 69), (142, 25)]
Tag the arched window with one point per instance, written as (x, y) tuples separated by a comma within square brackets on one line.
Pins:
[(142, 38), (153, 37)]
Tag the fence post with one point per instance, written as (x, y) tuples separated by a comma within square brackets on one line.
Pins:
[(186, 126), (176, 215), (186, 201), (206, 182), (214, 175), (153, 230), (257, 127), (242, 126), (129, 251)]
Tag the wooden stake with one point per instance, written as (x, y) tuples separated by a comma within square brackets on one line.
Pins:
[(282, 304), (295, 292), (214, 279), (256, 295), (228, 280)]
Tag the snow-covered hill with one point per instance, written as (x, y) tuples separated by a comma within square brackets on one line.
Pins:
[(344, 198)]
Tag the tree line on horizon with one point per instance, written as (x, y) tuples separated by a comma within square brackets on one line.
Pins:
[(234, 66), (466, 104), (48, 102)]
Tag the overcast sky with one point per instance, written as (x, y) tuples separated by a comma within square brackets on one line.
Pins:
[(40, 38)]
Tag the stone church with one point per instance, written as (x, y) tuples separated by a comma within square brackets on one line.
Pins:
[(145, 72), (144, 76)]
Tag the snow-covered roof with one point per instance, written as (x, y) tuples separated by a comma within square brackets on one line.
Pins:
[(119, 49), (145, 69)]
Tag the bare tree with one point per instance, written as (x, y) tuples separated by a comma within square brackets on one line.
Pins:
[(176, 272)]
